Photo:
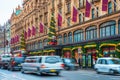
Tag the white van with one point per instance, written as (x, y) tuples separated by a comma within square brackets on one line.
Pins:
[(4, 60), (108, 65), (42, 64), (5, 57)]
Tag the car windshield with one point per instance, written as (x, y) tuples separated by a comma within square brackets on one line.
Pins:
[(19, 59), (114, 61), (69, 61), (52, 59)]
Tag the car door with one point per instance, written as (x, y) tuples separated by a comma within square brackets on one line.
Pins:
[(36, 64), (26, 64), (98, 65), (33, 64), (104, 65)]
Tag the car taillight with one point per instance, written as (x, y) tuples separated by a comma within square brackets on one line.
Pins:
[(62, 65), (13, 62), (42, 66)]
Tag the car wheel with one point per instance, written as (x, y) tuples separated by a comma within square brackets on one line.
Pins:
[(22, 71), (11, 69), (111, 71), (66, 68), (2, 67), (8, 68), (57, 73), (97, 71)]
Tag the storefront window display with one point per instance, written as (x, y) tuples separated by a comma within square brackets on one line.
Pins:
[(109, 51), (67, 54)]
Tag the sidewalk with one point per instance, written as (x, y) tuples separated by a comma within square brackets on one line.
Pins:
[(90, 69)]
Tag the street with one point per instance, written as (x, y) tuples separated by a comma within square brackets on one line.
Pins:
[(65, 75)]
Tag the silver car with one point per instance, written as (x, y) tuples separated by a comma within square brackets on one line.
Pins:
[(108, 65), (42, 65)]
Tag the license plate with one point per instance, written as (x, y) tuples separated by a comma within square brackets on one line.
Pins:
[(52, 70)]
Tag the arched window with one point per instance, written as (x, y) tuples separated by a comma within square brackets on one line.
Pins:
[(119, 26), (40, 44), (108, 29), (91, 33), (60, 40), (109, 7), (70, 37), (93, 13), (78, 35), (45, 42), (36, 45), (65, 38), (30, 46), (33, 47)]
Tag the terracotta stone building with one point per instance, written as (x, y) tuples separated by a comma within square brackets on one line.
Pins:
[(85, 39)]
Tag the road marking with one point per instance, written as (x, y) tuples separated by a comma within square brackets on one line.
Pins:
[(116, 78), (6, 76)]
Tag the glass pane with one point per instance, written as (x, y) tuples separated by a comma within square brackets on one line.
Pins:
[(103, 32), (113, 30), (107, 31), (119, 27)]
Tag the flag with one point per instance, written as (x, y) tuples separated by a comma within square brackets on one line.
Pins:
[(75, 12), (17, 38), (59, 19), (25, 34), (87, 9), (33, 30), (41, 28), (29, 32), (104, 5)]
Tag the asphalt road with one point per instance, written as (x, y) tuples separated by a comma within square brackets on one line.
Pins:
[(65, 75)]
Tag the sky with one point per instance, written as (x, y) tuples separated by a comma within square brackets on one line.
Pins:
[(6, 9)]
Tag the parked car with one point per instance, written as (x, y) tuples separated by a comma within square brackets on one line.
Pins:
[(4, 60), (70, 64), (108, 65), (15, 63), (42, 65)]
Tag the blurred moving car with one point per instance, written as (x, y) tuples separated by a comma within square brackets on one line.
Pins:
[(70, 64), (15, 63), (42, 65), (108, 65), (4, 60)]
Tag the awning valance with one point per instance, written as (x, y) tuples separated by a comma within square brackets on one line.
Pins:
[(64, 49), (74, 48), (90, 46), (107, 44)]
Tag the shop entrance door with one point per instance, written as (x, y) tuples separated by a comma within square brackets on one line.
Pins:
[(87, 61)]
